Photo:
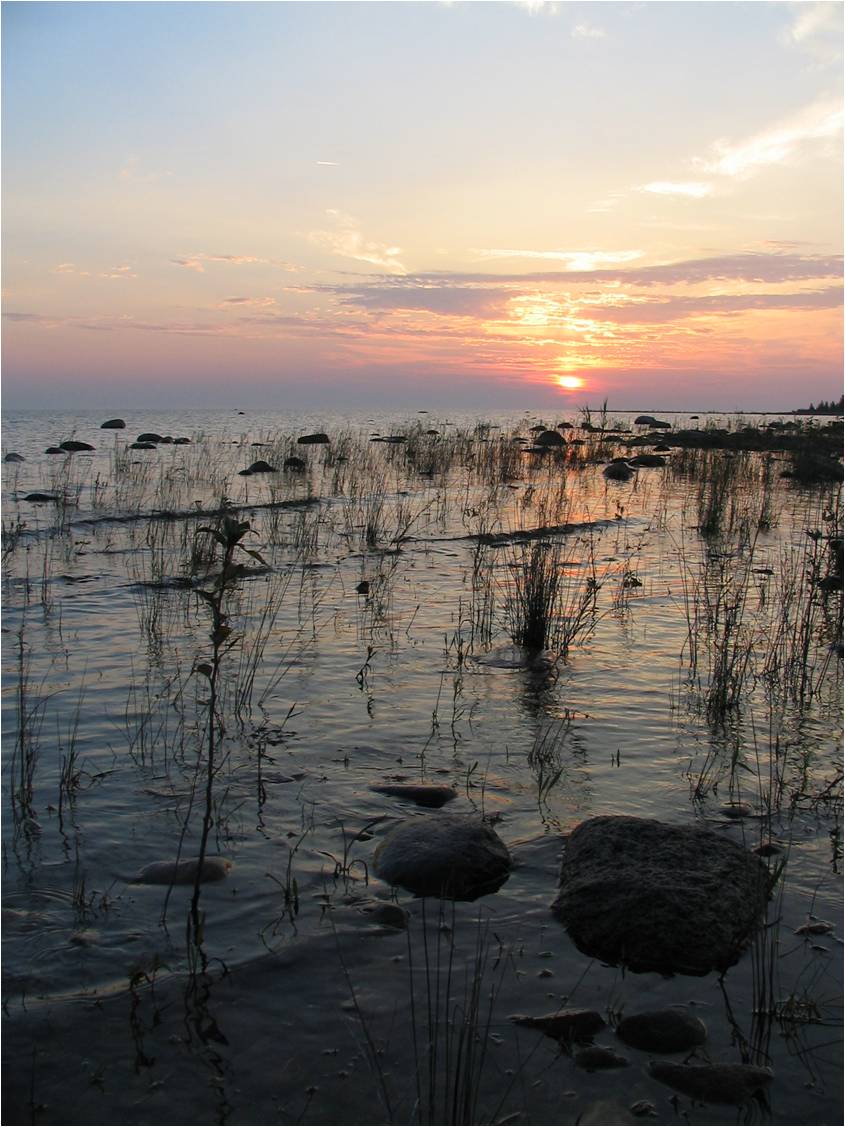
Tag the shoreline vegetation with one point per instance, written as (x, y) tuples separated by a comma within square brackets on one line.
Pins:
[(237, 694)]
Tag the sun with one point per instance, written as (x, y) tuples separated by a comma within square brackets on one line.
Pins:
[(570, 383)]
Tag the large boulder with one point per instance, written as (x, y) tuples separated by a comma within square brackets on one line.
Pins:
[(657, 897), (549, 438), (454, 855), (713, 1083)]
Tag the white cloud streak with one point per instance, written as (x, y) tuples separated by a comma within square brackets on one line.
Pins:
[(574, 259), (691, 189), (820, 121), (347, 240)]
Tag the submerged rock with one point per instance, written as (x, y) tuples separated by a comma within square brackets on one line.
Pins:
[(712, 1083), (113, 424), (596, 1057), (662, 1031), (657, 897), (181, 441), (149, 436), (74, 446), (142, 446), (565, 1025), (41, 498), (424, 794), (258, 467), (385, 913), (183, 872), (618, 471), (456, 856), (294, 463), (318, 439), (549, 438), (14, 458), (648, 461), (54, 450)]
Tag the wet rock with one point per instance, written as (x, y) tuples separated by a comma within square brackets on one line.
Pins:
[(457, 856), (54, 450), (712, 1083), (618, 471), (642, 1107), (657, 897), (318, 439), (549, 438), (183, 872), (74, 446), (644, 421), (258, 467), (181, 441), (814, 927), (113, 424), (424, 794), (385, 913), (14, 458), (660, 424), (149, 436), (294, 463), (142, 446), (648, 461), (735, 810), (596, 1057), (565, 1025), (662, 1031), (768, 849), (41, 498), (363, 587)]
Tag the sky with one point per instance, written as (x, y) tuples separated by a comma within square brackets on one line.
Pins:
[(396, 204)]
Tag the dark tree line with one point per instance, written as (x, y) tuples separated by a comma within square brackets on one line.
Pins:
[(823, 408)]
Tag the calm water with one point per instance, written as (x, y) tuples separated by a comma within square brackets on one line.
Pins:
[(328, 692)]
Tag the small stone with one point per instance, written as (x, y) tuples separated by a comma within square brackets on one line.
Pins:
[(14, 458), (423, 794), (736, 810), (183, 872), (566, 1025), (363, 588), (643, 1107), (597, 1057)]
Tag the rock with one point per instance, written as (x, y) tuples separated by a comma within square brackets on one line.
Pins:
[(659, 424), (74, 446), (599, 1056), (644, 421), (549, 438), (564, 426), (662, 1031), (768, 849), (657, 897), (149, 436), (41, 498), (540, 428), (385, 913), (662, 448), (167, 440), (363, 587), (294, 463), (113, 424), (54, 450), (735, 810), (457, 856), (182, 441), (142, 446), (815, 927), (317, 439), (618, 471), (258, 467), (424, 794), (650, 461), (565, 1025), (14, 458), (183, 872), (642, 1107), (712, 1083)]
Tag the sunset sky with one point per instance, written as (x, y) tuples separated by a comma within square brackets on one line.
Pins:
[(410, 204)]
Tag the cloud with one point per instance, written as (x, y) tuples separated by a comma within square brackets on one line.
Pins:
[(257, 302), (587, 31), (347, 240), (750, 267), (692, 189), (64, 268), (672, 308), (820, 121), (490, 304), (328, 163), (817, 28), (196, 261), (575, 259)]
